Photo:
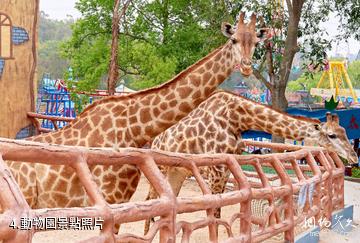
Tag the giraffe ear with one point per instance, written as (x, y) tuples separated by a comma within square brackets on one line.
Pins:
[(227, 29), (335, 118), (319, 127)]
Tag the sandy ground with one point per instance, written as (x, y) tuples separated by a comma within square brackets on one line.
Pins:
[(352, 196)]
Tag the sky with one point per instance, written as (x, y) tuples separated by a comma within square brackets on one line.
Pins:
[(59, 9)]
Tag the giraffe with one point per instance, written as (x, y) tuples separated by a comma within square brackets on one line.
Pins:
[(215, 126), (132, 121)]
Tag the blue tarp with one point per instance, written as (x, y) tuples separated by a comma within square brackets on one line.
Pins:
[(349, 119)]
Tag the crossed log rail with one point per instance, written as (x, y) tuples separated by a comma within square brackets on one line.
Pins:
[(35, 117), (324, 171)]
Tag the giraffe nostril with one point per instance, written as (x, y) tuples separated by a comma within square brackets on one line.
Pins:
[(246, 62)]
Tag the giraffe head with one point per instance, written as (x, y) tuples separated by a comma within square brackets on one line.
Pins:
[(332, 136), (243, 39)]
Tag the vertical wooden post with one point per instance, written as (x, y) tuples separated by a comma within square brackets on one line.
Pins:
[(18, 71)]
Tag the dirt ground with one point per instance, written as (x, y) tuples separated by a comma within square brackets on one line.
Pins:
[(352, 196)]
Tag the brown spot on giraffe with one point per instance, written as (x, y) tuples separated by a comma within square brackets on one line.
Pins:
[(145, 115), (110, 136), (156, 111), (105, 125), (171, 96), (95, 120), (196, 95), (185, 107), (201, 70), (136, 130), (184, 91), (157, 99), (173, 103), (195, 80), (209, 65), (168, 116), (163, 106), (206, 77), (133, 119)]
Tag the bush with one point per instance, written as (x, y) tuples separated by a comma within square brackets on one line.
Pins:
[(355, 172)]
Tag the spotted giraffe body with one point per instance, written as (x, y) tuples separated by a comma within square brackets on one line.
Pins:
[(215, 126), (124, 121), (131, 121)]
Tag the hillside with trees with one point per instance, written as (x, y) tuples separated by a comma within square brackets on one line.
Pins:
[(52, 33)]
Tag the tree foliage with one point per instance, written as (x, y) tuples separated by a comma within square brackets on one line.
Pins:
[(157, 38), (304, 81), (162, 37), (349, 13)]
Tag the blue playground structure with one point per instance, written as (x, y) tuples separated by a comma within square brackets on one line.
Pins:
[(54, 100)]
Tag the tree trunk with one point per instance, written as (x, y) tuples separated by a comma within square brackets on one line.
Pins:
[(279, 102), (278, 97), (113, 69)]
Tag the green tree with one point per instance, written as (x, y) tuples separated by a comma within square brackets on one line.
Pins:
[(182, 31), (172, 34), (349, 14), (353, 71)]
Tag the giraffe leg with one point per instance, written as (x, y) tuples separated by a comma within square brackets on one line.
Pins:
[(176, 177), (218, 177), (125, 177), (152, 194)]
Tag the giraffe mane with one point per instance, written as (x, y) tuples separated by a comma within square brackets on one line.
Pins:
[(303, 118)]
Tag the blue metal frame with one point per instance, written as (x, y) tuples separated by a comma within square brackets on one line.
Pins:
[(56, 101)]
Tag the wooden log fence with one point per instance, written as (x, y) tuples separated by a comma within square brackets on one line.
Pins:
[(35, 117), (323, 173)]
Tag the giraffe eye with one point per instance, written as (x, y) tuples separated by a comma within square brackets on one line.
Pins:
[(332, 136), (234, 40)]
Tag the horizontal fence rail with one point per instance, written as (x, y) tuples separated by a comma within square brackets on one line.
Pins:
[(36, 117), (280, 189)]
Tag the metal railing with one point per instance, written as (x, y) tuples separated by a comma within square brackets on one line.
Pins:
[(281, 188)]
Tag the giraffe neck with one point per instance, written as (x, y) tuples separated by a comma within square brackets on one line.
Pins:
[(135, 119), (244, 114)]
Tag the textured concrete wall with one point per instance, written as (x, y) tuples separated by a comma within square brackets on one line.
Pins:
[(17, 81)]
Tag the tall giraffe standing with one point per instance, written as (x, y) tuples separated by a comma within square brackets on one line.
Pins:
[(132, 121), (215, 126)]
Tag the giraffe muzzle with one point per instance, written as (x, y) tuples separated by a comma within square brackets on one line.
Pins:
[(245, 67), (246, 62)]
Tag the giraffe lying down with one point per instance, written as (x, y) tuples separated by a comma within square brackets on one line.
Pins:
[(215, 127)]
